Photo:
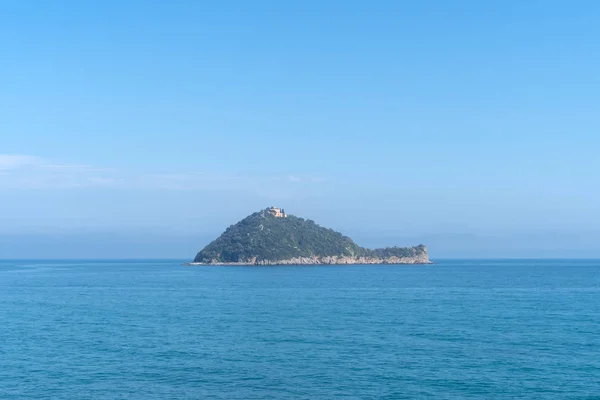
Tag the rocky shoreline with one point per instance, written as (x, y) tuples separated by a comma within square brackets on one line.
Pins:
[(333, 260)]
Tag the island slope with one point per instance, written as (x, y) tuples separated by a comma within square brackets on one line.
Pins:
[(272, 237)]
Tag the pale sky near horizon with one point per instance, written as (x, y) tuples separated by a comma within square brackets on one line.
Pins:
[(133, 128)]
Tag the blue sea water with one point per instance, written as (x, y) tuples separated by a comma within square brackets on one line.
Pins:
[(158, 330)]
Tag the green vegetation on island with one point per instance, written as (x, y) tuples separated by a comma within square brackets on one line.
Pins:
[(270, 236)]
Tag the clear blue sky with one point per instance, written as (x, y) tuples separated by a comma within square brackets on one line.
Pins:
[(146, 127)]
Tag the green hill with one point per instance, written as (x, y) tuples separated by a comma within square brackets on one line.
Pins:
[(271, 237)]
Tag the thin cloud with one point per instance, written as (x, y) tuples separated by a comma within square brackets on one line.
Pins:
[(31, 172), (16, 161), (105, 181), (316, 179)]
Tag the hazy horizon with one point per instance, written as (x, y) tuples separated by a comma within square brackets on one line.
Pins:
[(141, 245), (132, 129)]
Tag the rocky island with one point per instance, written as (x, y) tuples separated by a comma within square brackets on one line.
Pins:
[(272, 237)]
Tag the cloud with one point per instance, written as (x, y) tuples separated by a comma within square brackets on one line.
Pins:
[(31, 172), (104, 181), (293, 178), (11, 162)]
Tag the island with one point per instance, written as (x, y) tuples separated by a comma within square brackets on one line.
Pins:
[(273, 237)]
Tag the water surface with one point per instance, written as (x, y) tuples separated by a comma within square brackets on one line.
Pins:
[(488, 329)]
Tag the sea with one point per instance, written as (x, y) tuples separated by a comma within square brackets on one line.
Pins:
[(155, 329)]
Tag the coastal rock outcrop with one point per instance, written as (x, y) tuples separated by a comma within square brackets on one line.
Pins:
[(272, 237)]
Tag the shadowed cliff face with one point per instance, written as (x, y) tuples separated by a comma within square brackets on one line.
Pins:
[(264, 238)]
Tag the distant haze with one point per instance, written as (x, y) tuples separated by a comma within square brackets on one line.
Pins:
[(184, 247)]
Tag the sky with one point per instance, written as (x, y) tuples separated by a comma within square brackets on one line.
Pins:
[(145, 128)]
